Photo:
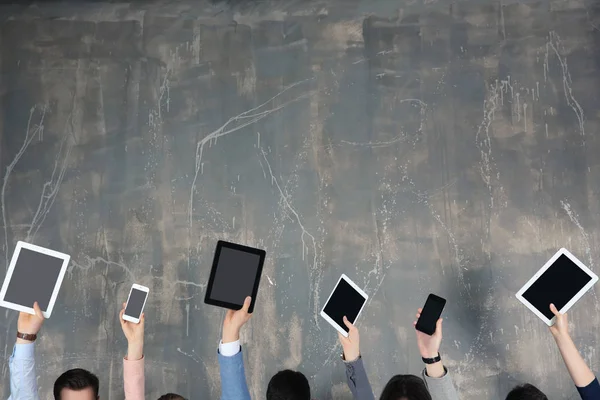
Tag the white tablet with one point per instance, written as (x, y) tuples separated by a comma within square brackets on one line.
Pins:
[(347, 299), (34, 274), (562, 281)]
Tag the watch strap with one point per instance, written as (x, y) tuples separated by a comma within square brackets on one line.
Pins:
[(432, 360), (27, 336)]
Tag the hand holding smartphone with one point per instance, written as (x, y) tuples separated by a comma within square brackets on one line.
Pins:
[(135, 303), (432, 310)]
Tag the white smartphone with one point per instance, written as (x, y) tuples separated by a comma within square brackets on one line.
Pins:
[(135, 303)]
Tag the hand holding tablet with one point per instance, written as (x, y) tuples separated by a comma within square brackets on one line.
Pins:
[(34, 274), (346, 300), (235, 275), (561, 281)]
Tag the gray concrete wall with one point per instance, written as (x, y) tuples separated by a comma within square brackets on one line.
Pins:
[(445, 147)]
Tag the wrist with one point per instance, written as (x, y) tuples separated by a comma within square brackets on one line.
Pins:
[(23, 341), (135, 350), (352, 355), (430, 354), (229, 337)]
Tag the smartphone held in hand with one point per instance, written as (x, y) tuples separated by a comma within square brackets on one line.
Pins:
[(135, 303), (431, 313)]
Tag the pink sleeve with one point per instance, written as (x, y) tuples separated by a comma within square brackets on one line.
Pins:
[(133, 378)]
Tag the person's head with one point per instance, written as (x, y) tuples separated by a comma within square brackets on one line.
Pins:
[(526, 392), (76, 384), (171, 396), (288, 385), (405, 387)]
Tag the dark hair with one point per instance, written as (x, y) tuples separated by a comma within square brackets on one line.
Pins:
[(288, 385), (526, 392), (76, 379), (171, 396), (409, 387)]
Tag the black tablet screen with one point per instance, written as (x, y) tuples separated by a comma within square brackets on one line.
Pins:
[(558, 285), (33, 279), (234, 276), (344, 301)]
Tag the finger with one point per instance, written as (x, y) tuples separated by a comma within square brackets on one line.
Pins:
[(414, 323), (418, 315), (142, 318), (229, 314), (121, 317), (124, 305), (246, 305), (554, 310), (420, 310), (438, 326), (38, 310), (348, 324)]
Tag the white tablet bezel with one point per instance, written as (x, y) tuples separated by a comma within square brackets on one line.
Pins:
[(13, 262), (537, 275), (141, 289), (358, 290)]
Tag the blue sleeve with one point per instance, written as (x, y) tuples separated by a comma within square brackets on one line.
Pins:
[(591, 391), (233, 378), (23, 382), (357, 380)]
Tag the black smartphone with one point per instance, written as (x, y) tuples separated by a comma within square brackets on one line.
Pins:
[(431, 313)]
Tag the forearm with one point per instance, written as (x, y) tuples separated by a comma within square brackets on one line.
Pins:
[(435, 370), (135, 350), (578, 369)]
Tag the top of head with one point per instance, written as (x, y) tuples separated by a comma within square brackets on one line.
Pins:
[(76, 384), (288, 385), (526, 392), (405, 387)]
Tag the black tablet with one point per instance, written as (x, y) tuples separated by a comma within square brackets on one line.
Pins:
[(235, 274)]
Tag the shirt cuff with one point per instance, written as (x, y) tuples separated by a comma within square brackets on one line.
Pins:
[(229, 349), (24, 351)]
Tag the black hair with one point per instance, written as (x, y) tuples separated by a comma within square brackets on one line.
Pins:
[(288, 385), (171, 396), (408, 387), (76, 379), (526, 392)]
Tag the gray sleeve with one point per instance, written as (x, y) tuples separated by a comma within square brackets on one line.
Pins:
[(440, 388), (357, 380)]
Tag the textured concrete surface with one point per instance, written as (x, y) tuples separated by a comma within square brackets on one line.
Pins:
[(414, 146)]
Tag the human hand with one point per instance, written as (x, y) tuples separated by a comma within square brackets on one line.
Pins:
[(134, 334), (429, 346), (234, 320), (351, 343), (30, 324), (560, 329)]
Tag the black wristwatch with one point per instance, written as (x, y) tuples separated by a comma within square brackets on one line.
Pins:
[(432, 360)]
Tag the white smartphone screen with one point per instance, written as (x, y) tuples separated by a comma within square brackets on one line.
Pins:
[(136, 302)]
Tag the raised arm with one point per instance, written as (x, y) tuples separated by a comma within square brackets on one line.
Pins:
[(582, 376), (23, 381), (231, 363), (356, 376), (133, 363), (436, 375)]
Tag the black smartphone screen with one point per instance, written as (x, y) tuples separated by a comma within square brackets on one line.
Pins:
[(135, 304), (431, 313)]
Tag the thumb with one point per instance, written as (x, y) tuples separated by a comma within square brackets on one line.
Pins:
[(246, 305), (347, 323), (438, 326), (121, 317), (38, 310), (554, 310)]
